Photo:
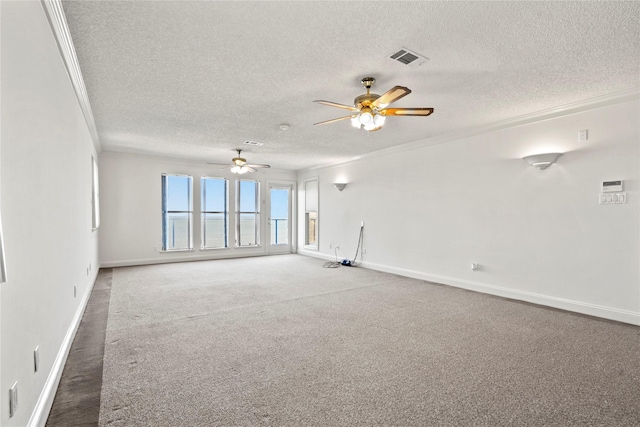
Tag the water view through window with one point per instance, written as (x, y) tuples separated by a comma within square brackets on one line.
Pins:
[(176, 212), (279, 216), (215, 215), (215, 221), (248, 213)]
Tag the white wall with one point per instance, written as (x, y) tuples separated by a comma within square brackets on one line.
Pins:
[(539, 236), (131, 201), (1, 407), (46, 211)]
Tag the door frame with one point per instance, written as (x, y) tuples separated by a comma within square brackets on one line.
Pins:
[(292, 223)]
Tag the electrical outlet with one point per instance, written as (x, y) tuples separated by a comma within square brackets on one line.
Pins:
[(36, 359), (475, 266), (13, 399)]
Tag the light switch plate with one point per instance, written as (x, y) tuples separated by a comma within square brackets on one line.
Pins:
[(612, 198)]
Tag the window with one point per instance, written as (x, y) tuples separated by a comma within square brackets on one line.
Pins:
[(215, 212), (311, 221), (177, 212), (95, 195), (311, 214), (248, 213)]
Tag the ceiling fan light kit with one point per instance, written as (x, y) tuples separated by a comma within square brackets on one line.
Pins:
[(369, 111), (239, 169), (368, 121)]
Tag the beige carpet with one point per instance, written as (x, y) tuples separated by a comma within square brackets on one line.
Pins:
[(281, 341)]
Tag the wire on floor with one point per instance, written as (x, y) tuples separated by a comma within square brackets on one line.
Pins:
[(332, 264), (347, 262)]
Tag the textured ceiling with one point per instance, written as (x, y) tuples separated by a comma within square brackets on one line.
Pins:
[(194, 80)]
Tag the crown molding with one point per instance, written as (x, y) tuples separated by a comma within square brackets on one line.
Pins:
[(538, 116), (58, 23)]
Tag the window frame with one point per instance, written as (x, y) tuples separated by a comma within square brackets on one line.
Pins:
[(203, 213), (165, 213), (95, 195), (239, 213)]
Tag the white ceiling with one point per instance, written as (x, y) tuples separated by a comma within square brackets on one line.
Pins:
[(194, 80)]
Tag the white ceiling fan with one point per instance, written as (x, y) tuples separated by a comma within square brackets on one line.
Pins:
[(239, 165), (369, 111)]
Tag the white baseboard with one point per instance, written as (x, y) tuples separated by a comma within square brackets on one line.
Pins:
[(168, 258), (316, 254), (45, 401), (604, 312)]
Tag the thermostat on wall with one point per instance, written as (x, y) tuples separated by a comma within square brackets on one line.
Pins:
[(611, 186)]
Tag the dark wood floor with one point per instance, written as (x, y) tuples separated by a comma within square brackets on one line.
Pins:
[(77, 400)]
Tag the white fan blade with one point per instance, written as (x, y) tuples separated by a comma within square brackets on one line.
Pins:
[(335, 120), (226, 165), (335, 104)]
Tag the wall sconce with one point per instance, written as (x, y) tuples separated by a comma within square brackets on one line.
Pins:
[(339, 185), (542, 161)]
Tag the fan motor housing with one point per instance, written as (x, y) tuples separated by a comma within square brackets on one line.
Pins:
[(365, 100)]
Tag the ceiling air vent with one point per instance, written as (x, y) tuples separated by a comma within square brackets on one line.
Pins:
[(254, 143), (408, 57)]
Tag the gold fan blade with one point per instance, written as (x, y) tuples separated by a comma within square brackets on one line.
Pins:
[(390, 96), (335, 104), (406, 111), (258, 166), (335, 120)]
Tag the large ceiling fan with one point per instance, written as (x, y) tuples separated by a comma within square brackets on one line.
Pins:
[(370, 110), (239, 165)]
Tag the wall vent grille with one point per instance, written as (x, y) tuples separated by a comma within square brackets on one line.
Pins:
[(408, 57)]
